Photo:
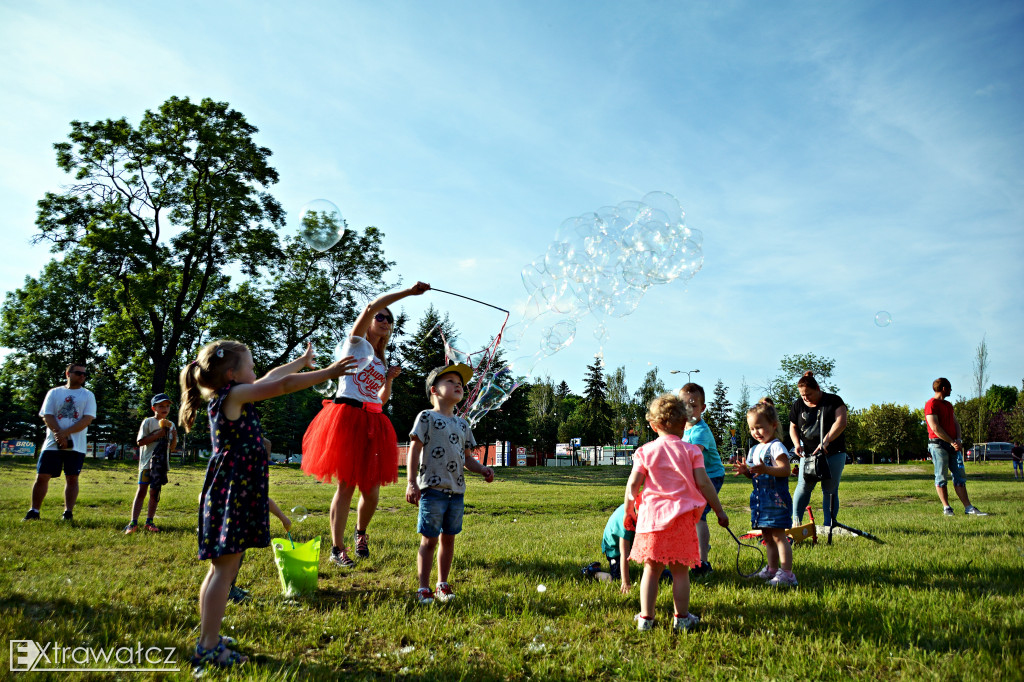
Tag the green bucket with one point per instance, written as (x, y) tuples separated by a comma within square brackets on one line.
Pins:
[(297, 564)]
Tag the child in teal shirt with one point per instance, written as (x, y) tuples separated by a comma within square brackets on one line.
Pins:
[(699, 433), (616, 543)]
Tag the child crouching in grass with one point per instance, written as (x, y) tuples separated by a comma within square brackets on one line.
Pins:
[(676, 488), (437, 458)]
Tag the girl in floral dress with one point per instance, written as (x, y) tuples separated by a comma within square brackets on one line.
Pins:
[(234, 504)]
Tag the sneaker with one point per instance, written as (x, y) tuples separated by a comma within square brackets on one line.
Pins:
[(32, 515), (783, 579), (948, 511), (342, 559), (362, 545), (151, 527), (685, 623), (974, 511), (67, 516), (131, 528), (444, 593), (766, 574), (643, 624), (703, 569), (424, 595), (238, 595)]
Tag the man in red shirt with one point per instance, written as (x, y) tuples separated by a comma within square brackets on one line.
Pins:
[(946, 447)]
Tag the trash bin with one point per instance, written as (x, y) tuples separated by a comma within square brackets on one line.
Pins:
[(297, 564)]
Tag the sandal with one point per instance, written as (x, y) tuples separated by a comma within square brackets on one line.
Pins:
[(204, 657)]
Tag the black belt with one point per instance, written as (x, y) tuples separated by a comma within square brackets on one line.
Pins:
[(941, 443), (348, 401)]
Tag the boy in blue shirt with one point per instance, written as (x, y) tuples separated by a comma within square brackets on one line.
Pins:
[(437, 484), (699, 433)]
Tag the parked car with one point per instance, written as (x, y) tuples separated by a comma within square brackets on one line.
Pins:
[(982, 452)]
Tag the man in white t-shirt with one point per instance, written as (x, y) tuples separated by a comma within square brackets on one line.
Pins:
[(67, 410)]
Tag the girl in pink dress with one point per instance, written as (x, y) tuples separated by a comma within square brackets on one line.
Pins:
[(676, 489)]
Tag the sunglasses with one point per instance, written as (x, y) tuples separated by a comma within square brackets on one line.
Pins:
[(79, 372), (381, 317)]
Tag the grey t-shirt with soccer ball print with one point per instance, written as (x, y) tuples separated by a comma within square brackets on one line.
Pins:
[(445, 440)]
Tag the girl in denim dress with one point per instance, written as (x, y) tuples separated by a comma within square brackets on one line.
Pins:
[(771, 506)]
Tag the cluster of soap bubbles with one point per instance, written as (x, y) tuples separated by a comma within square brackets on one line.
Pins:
[(320, 225), (491, 386), (600, 265), (360, 349)]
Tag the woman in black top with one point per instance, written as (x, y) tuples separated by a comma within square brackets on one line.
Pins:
[(816, 424)]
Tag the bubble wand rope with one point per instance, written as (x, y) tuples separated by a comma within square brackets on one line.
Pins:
[(450, 293), (740, 546)]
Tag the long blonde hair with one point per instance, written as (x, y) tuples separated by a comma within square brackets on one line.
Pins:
[(202, 377)]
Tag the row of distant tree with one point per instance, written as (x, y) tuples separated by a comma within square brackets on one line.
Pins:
[(168, 237)]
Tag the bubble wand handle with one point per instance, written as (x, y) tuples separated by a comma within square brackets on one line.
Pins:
[(450, 293)]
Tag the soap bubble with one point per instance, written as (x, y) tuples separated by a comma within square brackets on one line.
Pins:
[(321, 225), (327, 388), (602, 263), (542, 589), (883, 319), (300, 513), (558, 336), (359, 348)]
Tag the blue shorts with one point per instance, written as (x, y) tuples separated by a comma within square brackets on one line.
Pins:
[(52, 461), (144, 479), (716, 481), (947, 458), (440, 512)]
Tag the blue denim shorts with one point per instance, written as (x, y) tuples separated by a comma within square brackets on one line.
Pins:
[(717, 482), (440, 512), (942, 459), (52, 461)]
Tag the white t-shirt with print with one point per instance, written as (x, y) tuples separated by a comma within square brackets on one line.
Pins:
[(68, 405), (365, 384), (445, 440)]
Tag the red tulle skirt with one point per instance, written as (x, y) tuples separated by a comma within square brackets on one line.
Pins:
[(350, 444), (676, 544)]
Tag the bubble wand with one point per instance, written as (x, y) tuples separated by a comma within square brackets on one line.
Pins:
[(450, 293), (488, 353)]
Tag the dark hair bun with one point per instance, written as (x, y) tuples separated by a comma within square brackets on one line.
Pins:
[(808, 373)]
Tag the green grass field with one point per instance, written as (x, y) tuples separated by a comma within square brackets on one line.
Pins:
[(941, 599)]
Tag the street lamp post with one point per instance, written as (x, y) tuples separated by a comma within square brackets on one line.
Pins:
[(688, 372)]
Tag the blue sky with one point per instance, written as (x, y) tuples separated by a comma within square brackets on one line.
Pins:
[(840, 158)]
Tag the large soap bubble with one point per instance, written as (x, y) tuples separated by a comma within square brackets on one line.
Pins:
[(600, 265), (883, 319), (321, 225)]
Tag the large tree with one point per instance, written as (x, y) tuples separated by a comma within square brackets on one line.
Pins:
[(160, 211), (893, 430), (783, 390), (718, 415), (651, 387), (620, 401), (418, 353)]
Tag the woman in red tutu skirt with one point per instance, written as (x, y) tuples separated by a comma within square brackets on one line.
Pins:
[(351, 439)]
